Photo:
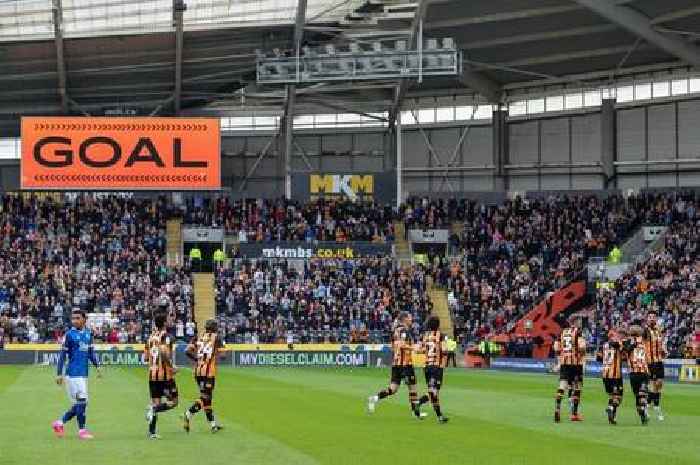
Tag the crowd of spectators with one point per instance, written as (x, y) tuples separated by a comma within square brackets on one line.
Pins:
[(320, 301), (668, 283), (104, 255), (288, 220), (513, 254)]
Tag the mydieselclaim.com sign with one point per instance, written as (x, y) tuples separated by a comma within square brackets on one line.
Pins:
[(292, 358)]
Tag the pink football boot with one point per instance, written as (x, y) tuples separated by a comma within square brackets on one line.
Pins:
[(57, 427)]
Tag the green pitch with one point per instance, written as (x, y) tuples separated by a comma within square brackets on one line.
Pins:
[(317, 416)]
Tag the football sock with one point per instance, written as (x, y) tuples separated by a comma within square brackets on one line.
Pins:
[(163, 407), (615, 403), (655, 398), (81, 406), (68, 416), (413, 399), (576, 398), (196, 407), (560, 394), (435, 400)]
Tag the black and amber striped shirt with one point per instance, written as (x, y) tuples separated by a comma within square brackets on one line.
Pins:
[(158, 353), (654, 341), (571, 347), (435, 354), (402, 345), (611, 355), (206, 349), (637, 356)]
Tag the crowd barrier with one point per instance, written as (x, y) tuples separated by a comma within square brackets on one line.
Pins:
[(683, 370)]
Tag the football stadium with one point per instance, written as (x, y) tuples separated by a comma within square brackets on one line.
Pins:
[(329, 232)]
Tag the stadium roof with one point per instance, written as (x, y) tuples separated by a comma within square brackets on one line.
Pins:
[(123, 53)]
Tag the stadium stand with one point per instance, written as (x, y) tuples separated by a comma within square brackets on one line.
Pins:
[(260, 220), (103, 255), (515, 254), (668, 283), (324, 301)]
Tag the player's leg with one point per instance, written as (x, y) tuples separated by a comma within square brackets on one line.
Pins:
[(639, 388), (576, 398), (655, 387), (195, 407), (410, 376), (563, 385), (58, 425), (156, 389), (413, 400), (153, 419), (384, 393), (207, 401), (77, 388), (609, 410), (617, 396), (427, 373), (657, 397), (434, 392), (171, 397)]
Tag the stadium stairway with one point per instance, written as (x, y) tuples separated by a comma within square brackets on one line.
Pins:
[(441, 309), (173, 236), (457, 228), (204, 298), (633, 246), (402, 249)]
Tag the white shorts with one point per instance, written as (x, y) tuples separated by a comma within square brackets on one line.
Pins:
[(77, 388)]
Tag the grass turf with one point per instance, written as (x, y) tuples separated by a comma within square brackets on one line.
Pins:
[(317, 416)]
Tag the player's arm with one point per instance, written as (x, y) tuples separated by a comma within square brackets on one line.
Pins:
[(62, 361), (581, 346), (146, 354), (219, 348), (191, 351), (170, 351), (557, 347), (419, 347), (92, 356), (165, 355), (628, 345)]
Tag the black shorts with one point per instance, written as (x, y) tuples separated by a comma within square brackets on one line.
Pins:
[(161, 389), (205, 385), (433, 377), (571, 373), (406, 373), (639, 382), (656, 371), (613, 386)]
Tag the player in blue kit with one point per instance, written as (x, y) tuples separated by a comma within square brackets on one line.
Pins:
[(78, 348)]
